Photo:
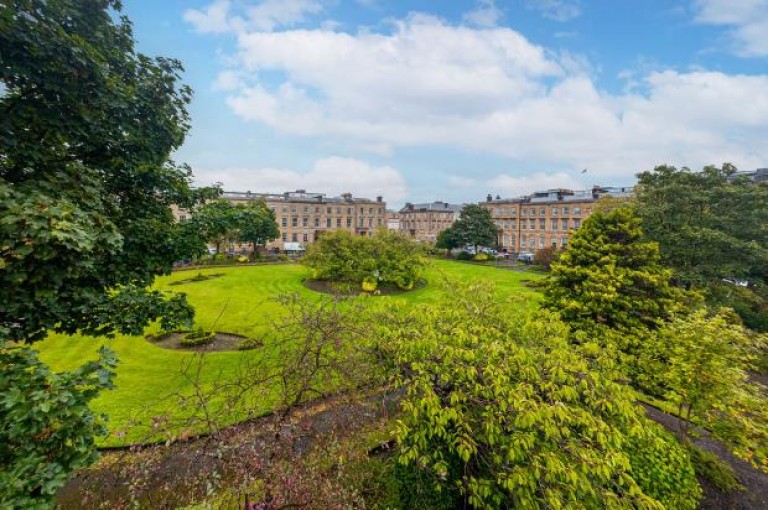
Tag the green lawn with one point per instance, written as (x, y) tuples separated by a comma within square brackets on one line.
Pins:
[(242, 297)]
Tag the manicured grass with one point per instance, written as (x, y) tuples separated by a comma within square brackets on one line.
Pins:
[(240, 301)]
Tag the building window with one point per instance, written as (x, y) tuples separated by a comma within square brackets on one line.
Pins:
[(338, 222), (293, 209), (554, 225), (370, 222), (542, 223), (328, 223), (576, 222), (554, 211), (577, 210), (338, 210), (294, 222), (317, 210), (285, 209), (349, 222), (542, 212), (285, 236), (564, 224), (182, 217), (306, 210), (541, 242), (565, 210), (523, 224), (328, 210), (563, 241), (317, 222), (349, 210), (285, 221), (305, 222), (522, 241), (294, 237), (306, 238)]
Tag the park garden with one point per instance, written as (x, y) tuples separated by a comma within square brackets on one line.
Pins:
[(370, 374)]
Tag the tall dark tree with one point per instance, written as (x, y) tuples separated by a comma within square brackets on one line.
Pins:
[(709, 225), (476, 227), (448, 240), (86, 130), (87, 125), (257, 224)]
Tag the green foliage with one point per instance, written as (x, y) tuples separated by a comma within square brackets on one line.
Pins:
[(475, 227), (249, 343), (257, 224), (708, 224), (544, 257), (700, 363), (481, 257), (503, 407), (710, 467), (216, 222), (86, 182), (610, 277), (463, 255), (448, 240), (48, 430), (197, 338), (663, 469), (387, 258)]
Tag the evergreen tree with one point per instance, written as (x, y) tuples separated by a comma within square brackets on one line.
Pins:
[(476, 227), (610, 277)]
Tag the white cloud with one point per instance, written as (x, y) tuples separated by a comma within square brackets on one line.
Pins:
[(215, 19), (508, 186), (263, 16), (429, 83), (486, 14), (748, 20), (558, 10), (333, 176)]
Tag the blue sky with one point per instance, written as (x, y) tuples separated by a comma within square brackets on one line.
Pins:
[(451, 100)]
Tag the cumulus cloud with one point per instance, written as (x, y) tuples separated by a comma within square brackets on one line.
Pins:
[(748, 20), (429, 83), (508, 186), (486, 14), (333, 176), (558, 10)]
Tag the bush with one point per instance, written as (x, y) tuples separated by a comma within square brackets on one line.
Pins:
[(663, 468), (481, 257), (709, 466), (249, 343), (283, 258), (197, 338), (545, 256), (242, 258), (463, 255), (384, 259), (369, 284)]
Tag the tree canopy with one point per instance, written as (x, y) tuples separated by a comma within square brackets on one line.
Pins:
[(448, 239), (610, 276), (257, 224), (503, 407), (709, 225), (476, 227), (86, 183)]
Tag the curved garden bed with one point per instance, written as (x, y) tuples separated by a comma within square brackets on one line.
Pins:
[(354, 289), (217, 341)]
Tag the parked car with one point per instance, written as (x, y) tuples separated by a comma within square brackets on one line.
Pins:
[(525, 256)]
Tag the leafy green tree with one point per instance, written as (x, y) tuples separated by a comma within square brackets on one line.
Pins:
[(257, 224), (502, 406), (610, 277), (476, 227), (386, 258), (87, 125), (448, 240), (48, 430), (709, 225), (701, 365), (218, 222), (86, 183)]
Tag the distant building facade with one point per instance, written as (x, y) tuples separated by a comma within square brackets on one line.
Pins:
[(757, 176), (393, 220), (545, 218), (303, 217), (423, 222)]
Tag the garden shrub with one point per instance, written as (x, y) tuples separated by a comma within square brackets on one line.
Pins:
[(249, 343), (463, 255), (662, 468), (197, 338), (481, 257), (384, 259), (709, 466)]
